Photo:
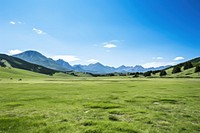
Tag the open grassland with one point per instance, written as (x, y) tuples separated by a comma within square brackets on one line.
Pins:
[(95, 105)]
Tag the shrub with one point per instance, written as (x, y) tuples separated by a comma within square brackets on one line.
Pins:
[(113, 118), (197, 69), (187, 65), (176, 69), (2, 64), (148, 73), (163, 73)]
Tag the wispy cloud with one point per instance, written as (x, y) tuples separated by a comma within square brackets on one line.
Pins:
[(12, 22), (15, 51), (17, 22), (38, 31), (179, 58), (157, 58), (157, 64), (115, 41), (68, 58), (92, 61)]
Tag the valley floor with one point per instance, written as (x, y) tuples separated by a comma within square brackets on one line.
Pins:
[(95, 105)]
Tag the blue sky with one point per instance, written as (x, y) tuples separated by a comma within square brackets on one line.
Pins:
[(113, 32)]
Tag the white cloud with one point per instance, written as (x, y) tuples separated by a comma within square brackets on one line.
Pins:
[(157, 58), (157, 64), (13, 52), (179, 58), (12, 22), (18, 22), (92, 61), (38, 31), (68, 58), (109, 45)]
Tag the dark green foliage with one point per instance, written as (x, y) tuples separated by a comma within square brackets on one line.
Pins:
[(73, 74), (136, 75), (111, 74), (187, 65), (107, 75), (148, 73), (21, 64), (156, 71), (197, 69), (113, 118), (163, 73), (132, 73), (122, 74), (194, 62), (2, 64), (176, 69)]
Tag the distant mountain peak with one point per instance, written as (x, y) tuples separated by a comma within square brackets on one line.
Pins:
[(31, 52), (139, 66), (64, 64), (98, 63), (60, 60), (37, 58), (61, 65)]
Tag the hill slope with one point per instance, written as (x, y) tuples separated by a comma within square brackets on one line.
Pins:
[(189, 72), (9, 61), (12, 73)]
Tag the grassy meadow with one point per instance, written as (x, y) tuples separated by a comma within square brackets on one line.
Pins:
[(95, 105)]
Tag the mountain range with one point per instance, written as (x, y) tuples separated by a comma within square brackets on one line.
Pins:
[(13, 62), (61, 65)]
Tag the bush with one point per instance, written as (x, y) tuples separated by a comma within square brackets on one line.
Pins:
[(156, 71), (176, 69), (187, 65), (197, 69), (148, 73), (163, 73), (113, 118), (2, 64)]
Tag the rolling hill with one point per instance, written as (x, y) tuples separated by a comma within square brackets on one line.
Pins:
[(184, 70), (13, 62), (15, 73), (12, 67)]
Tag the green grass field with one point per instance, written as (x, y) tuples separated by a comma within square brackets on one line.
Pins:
[(95, 105)]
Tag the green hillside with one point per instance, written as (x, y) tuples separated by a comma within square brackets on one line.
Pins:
[(12, 73), (186, 69), (9, 61), (12, 67)]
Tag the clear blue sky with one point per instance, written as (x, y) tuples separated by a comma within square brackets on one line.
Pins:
[(113, 32)]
